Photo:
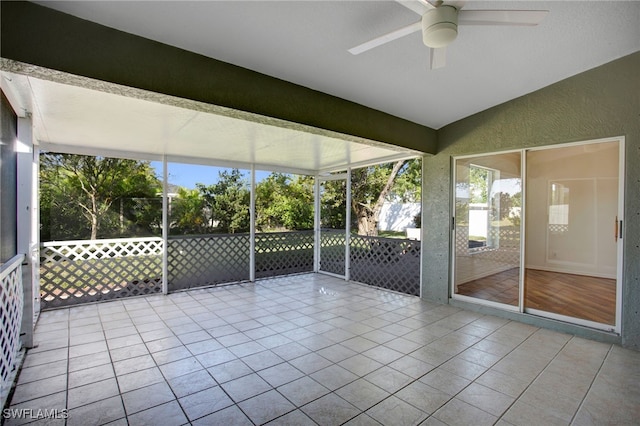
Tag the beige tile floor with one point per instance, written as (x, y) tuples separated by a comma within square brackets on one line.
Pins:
[(312, 349)]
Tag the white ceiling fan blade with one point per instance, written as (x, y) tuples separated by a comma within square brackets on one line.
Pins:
[(501, 17), (393, 35), (438, 58), (419, 7), (458, 4)]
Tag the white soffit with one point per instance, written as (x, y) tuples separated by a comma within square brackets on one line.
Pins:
[(86, 121)]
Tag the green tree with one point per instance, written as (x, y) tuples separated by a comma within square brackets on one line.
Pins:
[(188, 213), (372, 186), (333, 205), (87, 187), (284, 201), (478, 184), (229, 201)]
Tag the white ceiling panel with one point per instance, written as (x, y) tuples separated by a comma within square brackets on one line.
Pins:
[(77, 119)]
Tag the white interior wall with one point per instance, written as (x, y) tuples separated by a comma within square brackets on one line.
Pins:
[(587, 245)]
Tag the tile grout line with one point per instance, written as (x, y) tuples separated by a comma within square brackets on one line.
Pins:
[(115, 375), (66, 396), (474, 380), (166, 379), (604, 359), (235, 404), (425, 374), (537, 375)]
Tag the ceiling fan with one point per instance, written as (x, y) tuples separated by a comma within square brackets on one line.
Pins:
[(439, 25)]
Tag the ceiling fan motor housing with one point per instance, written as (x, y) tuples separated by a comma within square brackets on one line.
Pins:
[(440, 26)]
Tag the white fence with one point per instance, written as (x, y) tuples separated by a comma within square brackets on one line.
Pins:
[(398, 216), (11, 306), (74, 272)]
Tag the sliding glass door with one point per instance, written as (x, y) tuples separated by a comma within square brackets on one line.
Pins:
[(488, 202), (539, 231), (572, 232)]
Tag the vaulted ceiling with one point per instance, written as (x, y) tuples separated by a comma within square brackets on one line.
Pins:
[(306, 42)]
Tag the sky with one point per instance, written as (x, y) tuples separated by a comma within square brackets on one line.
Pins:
[(187, 175)]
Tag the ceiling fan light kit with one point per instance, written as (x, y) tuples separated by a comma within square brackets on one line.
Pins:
[(440, 21), (440, 26)]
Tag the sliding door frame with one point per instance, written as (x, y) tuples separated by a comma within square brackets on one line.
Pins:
[(616, 328), (452, 287)]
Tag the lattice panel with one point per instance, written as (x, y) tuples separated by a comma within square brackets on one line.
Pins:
[(75, 272), (11, 306), (332, 251), (202, 260), (282, 253), (462, 240), (505, 245), (558, 229), (389, 263)]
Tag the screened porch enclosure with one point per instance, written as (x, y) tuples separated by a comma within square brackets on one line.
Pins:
[(87, 271), (108, 120)]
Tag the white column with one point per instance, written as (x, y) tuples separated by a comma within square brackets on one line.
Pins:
[(25, 210), (165, 226), (35, 231), (252, 226), (347, 239), (316, 224)]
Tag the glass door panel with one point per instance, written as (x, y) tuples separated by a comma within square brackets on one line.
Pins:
[(488, 204), (571, 248)]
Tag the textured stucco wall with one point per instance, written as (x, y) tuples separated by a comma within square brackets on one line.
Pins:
[(600, 103)]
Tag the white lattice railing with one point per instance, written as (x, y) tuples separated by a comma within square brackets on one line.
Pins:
[(73, 272), (11, 306)]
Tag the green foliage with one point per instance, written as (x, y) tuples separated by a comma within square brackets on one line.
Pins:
[(90, 197), (504, 207), (229, 201), (333, 205), (188, 214), (372, 186), (478, 185), (284, 202), (407, 185), (116, 198), (417, 220)]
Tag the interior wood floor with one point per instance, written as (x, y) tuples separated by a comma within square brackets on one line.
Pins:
[(577, 296)]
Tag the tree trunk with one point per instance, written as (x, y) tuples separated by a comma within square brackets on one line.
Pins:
[(121, 216), (94, 219), (94, 227), (369, 216)]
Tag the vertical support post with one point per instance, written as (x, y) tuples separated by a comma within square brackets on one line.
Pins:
[(316, 223), (165, 226), (423, 185), (252, 226), (35, 232), (347, 239), (24, 207)]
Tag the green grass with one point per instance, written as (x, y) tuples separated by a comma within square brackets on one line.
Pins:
[(392, 234)]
